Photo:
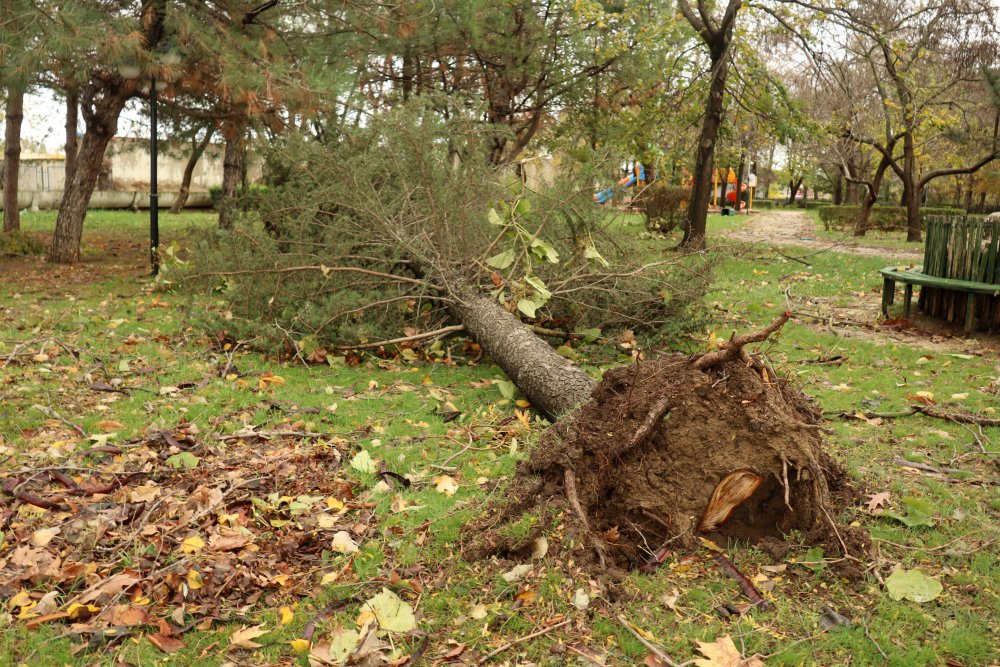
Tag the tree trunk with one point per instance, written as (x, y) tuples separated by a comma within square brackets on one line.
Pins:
[(970, 187), (864, 213), (739, 181), (12, 159), (793, 189), (72, 126), (838, 188), (231, 172), (197, 149), (548, 381), (911, 192), (102, 123), (701, 190)]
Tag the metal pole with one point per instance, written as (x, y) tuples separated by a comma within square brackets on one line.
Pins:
[(154, 212)]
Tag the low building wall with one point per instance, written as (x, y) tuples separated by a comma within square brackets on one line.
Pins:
[(48, 199)]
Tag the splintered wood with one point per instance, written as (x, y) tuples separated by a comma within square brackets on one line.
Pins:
[(731, 492)]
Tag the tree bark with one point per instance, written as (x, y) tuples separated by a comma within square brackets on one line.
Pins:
[(911, 191), (717, 36), (101, 114), (552, 385), (12, 158), (793, 189), (231, 171), (72, 127), (739, 181), (197, 149), (861, 225)]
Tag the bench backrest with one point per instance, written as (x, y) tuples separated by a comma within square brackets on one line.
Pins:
[(962, 248)]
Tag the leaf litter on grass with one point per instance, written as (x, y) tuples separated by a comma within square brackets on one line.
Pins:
[(117, 539)]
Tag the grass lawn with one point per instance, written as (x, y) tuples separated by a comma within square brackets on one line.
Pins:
[(247, 506)]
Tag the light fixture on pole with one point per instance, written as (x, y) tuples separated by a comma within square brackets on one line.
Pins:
[(131, 70)]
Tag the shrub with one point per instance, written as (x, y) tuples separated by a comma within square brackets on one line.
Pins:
[(664, 206), (882, 217), (20, 243)]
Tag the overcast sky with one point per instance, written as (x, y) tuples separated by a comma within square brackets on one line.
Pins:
[(45, 120)]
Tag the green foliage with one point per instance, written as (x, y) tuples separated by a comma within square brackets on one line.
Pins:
[(882, 217), (19, 243), (361, 239)]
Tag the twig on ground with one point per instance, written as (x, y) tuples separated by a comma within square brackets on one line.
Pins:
[(903, 463), (486, 658), (749, 590), (53, 414), (405, 339), (656, 650)]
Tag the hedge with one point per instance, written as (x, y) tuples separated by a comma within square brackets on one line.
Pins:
[(882, 217)]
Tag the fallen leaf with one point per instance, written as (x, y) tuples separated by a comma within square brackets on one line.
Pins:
[(80, 612), (539, 547), (363, 462), (343, 543), (391, 612), (166, 643), (192, 545), (446, 484), (723, 653), (286, 615), (912, 585), (299, 645), (244, 638), (518, 573), (581, 600), (43, 536), (194, 580), (877, 500)]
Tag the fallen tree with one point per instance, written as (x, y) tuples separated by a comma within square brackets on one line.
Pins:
[(666, 451), (658, 452)]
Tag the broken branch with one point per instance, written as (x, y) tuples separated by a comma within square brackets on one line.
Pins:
[(732, 348), (750, 591)]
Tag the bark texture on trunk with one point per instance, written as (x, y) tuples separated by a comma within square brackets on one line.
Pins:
[(232, 167), (197, 150), (911, 191), (72, 126), (548, 381), (717, 36), (12, 159), (101, 115)]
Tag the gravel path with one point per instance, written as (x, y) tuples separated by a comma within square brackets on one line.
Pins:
[(794, 228)]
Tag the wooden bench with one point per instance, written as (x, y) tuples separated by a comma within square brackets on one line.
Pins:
[(960, 276)]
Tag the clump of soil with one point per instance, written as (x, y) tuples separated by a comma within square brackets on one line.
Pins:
[(646, 453)]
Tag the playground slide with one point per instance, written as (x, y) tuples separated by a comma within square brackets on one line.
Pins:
[(605, 195)]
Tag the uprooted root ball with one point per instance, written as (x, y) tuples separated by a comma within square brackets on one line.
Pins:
[(635, 467)]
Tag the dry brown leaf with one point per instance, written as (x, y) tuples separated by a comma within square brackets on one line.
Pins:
[(723, 653), (244, 638), (877, 500), (166, 643)]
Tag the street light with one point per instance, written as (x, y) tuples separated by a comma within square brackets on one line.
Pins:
[(130, 70)]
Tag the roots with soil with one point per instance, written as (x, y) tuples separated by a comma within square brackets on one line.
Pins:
[(636, 467)]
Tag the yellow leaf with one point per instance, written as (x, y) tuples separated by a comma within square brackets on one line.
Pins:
[(78, 612), (723, 653), (299, 645), (326, 521), (709, 544), (446, 484), (192, 545), (287, 615), (329, 578), (281, 579), (194, 580), (43, 536), (22, 599)]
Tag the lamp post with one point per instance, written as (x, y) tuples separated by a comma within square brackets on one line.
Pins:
[(130, 70)]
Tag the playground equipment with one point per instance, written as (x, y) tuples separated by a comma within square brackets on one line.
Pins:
[(638, 175), (746, 190)]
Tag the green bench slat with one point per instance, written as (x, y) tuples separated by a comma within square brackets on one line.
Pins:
[(916, 277)]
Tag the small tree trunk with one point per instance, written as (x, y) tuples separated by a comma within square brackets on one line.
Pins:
[(12, 159), (864, 213), (838, 188), (911, 193), (548, 381), (197, 149), (971, 185), (102, 123), (701, 190), (231, 170), (739, 181), (793, 189), (72, 126)]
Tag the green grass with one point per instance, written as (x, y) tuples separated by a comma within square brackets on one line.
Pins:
[(122, 326)]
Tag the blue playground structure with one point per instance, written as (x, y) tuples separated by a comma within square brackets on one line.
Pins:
[(638, 174)]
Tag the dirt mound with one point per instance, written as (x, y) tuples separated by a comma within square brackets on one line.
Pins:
[(635, 468)]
